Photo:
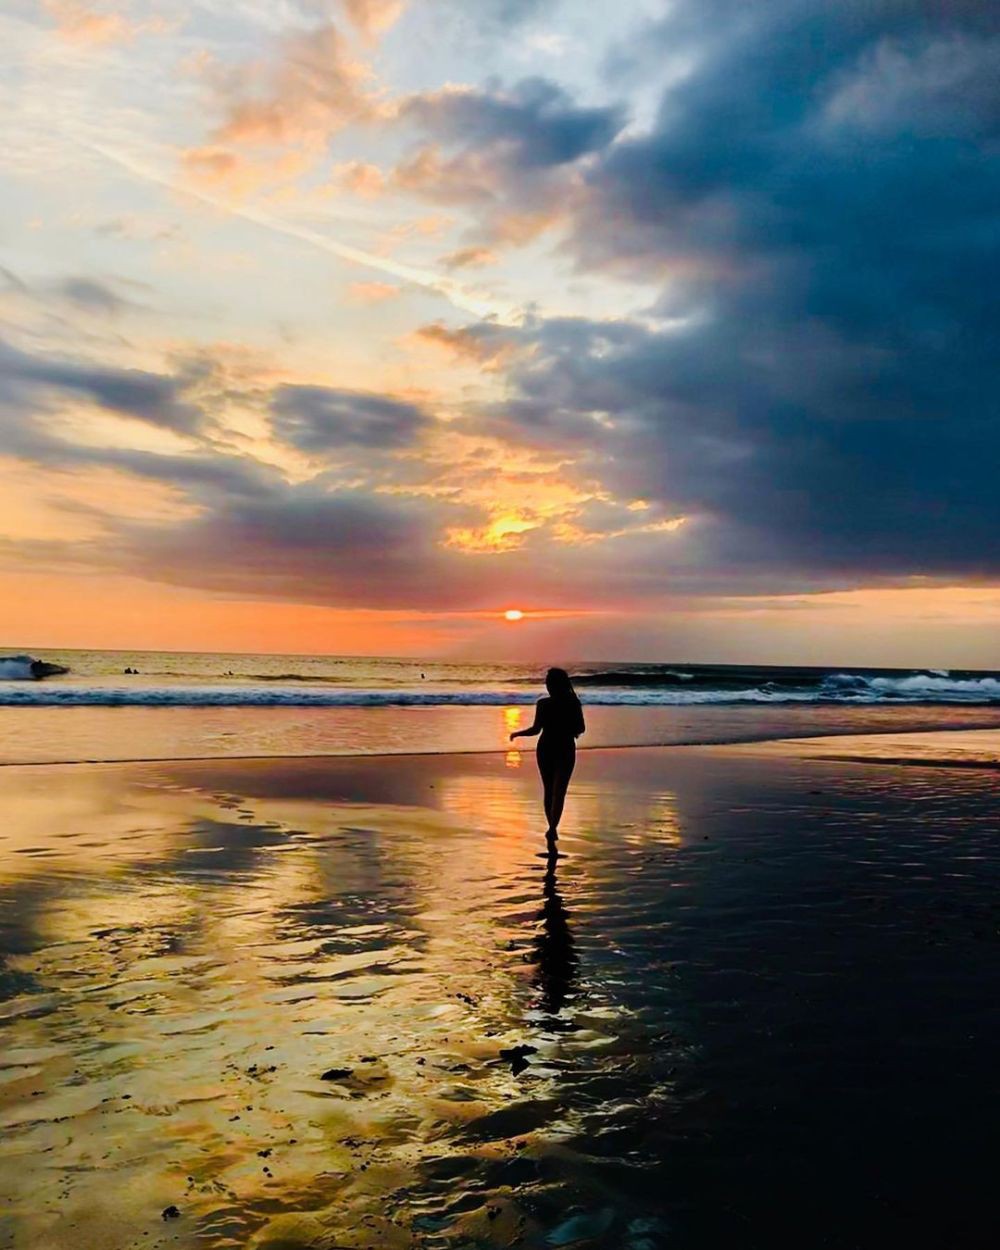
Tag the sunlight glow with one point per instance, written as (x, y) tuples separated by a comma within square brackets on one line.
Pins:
[(513, 614)]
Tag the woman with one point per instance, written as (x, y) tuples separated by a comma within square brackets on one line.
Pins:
[(559, 719)]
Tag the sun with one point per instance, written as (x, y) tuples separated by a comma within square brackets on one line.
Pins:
[(513, 614)]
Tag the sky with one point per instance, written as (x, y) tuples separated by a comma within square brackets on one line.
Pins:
[(343, 326)]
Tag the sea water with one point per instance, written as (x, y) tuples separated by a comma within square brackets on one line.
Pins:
[(153, 704)]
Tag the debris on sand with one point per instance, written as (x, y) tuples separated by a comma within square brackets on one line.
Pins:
[(337, 1074), (170, 1213)]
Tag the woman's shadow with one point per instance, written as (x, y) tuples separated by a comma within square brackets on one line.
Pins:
[(555, 953)]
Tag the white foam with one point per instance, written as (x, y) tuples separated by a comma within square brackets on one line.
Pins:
[(16, 668), (839, 688), (270, 696)]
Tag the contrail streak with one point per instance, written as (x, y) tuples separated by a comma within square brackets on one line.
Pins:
[(454, 292)]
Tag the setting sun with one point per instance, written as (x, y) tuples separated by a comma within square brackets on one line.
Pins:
[(513, 614)]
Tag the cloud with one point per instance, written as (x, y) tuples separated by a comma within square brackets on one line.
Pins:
[(31, 381), (809, 216), (820, 398), (513, 156), (535, 125), (324, 419), (309, 89), (407, 539), (485, 343), (94, 296), (490, 18), (360, 177), (233, 174), (310, 545), (469, 258), (945, 84), (84, 23), (373, 292), (374, 17)]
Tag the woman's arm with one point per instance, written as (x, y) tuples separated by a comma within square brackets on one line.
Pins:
[(534, 729)]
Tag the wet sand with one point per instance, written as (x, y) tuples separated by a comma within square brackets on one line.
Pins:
[(344, 1003)]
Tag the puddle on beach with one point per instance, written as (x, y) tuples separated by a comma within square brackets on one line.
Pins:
[(755, 1002)]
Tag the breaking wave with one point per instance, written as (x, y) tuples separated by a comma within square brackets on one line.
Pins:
[(832, 688), (27, 668), (16, 668)]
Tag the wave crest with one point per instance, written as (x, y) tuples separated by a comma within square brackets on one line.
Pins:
[(837, 688), (27, 668)]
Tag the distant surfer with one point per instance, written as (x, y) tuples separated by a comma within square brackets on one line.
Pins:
[(559, 720)]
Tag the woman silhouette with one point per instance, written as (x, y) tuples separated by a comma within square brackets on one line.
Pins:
[(559, 719)]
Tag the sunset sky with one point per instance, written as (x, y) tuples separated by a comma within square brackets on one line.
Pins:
[(347, 325)]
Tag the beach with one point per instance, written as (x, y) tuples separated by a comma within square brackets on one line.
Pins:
[(346, 1002)]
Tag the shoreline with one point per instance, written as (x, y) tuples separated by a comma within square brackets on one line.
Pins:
[(768, 742)]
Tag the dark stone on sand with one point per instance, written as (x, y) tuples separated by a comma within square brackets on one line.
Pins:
[(337, 1074), (170, 1213)]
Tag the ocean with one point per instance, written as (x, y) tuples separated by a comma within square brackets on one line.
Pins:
[(115, 705)]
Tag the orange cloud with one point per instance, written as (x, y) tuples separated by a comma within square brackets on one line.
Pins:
[(310, 89), (229, 171), (481, 344), (360, 178), (475, 180), (462, 179), (374, 17), (469, 258), (372, 292), (82, 24)]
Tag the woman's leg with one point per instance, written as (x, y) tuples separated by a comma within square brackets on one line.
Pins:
[(545, 768), (560, 784)]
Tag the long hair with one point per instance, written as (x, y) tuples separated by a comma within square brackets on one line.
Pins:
[(559, 684)]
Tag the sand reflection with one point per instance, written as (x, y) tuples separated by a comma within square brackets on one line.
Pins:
[(176, 1003), (354, 1003)]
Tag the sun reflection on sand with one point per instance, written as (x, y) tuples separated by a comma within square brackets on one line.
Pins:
[(228, 942), (511, 722)]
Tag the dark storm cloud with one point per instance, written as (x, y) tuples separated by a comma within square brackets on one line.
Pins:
[(322, 419), (819, 195), (309, 544), (29, 382), (536, 123), (514, 155)]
